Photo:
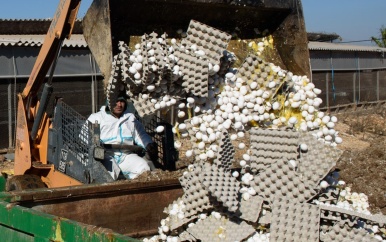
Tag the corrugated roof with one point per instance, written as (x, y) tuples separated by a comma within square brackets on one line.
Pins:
[(343, 47), (32, 26), (77, 40)]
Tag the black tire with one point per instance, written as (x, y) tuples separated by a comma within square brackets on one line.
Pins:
[(24, 182)]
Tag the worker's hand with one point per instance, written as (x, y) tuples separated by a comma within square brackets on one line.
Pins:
[(152, 152)]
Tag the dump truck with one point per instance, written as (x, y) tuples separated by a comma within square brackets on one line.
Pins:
[(60, 190)]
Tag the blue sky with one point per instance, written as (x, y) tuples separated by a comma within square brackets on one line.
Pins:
[(353, 20)]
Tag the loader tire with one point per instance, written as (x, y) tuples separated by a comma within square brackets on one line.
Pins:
[(24, 182)]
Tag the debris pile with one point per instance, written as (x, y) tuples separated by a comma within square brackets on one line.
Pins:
[(286, 188)]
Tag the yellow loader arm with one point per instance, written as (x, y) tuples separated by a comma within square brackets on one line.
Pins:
[(32, 121)]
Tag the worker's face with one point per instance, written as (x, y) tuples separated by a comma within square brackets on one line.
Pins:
[(119, 108)]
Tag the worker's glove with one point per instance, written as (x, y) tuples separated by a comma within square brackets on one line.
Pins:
[(152, 154)]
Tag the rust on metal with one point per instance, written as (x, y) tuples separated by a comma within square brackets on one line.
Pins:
[(131, 208)]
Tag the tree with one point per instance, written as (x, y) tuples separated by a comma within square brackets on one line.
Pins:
[(381, 42)]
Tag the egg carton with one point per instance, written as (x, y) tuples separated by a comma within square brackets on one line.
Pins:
[(250, 209), (221, 185), (335, 213), (193, 140), (265, 218), (280, 181), (254, 69), (185, 236), (142, 106), (209, 39), (174, 222), (342, 232), (115, 84), (328, 197), (196, 197), (195, 73), (292, 221), (162, 63), (213, 229), (226, 152), (132, 88), (318, 160), (270, 145)]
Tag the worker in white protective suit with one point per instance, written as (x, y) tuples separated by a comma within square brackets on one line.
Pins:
[(120, 128)]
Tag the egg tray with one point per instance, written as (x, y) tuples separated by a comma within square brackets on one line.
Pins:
[(142, 106), (350, 217), (211, 40), (318, 160), (265, 217), (254, 69), (195, 73), (174, 221), (328, 197), (193, 140), (280, 181), (128, 78), (342, 232), (226, 152), (293, 221), (115, 83), (269, 145), (210, 229), (159, 60), (196, 197), (221, 185), (250, 209), (185, 236)]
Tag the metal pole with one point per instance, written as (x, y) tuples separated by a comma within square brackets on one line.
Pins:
[(353, 87), (10, 114), (377, 85), (359, 79), (12, 135), (327, 92), (92, 87)]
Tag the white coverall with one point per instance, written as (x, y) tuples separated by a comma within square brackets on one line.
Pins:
[(124, 130)]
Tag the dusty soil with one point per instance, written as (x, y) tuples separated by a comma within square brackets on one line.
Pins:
[(362, 165)]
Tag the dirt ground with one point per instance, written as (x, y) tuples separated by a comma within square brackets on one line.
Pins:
[(362, 165)]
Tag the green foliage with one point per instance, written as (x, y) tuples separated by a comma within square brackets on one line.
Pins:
[(381, 42)]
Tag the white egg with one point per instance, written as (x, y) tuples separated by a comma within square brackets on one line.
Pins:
[(246, 157), (177, 144), (246, 196), (203, 156), (150, 88), (324, 184), (330, 125), (235, 174), (241, 145), (210, 154), (181, 114), (292, 120), (338, 140), (137, 76), (216, 68), (182, 126), (304, 147), (190, 100), (292, 163), (189, 153), (326, 119), (160, 129), (243, 163)]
